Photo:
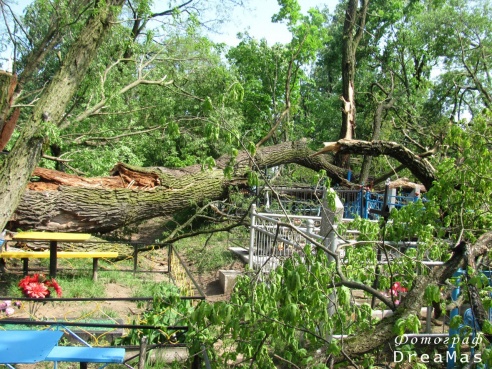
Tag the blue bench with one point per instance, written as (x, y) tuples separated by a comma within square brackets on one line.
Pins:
[(84, 355)]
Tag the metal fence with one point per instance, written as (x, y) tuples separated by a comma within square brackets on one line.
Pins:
[(361, 202), (274, 237), (305, 201), (295, 200)]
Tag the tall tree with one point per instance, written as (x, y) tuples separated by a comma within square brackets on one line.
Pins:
[(353, 31)]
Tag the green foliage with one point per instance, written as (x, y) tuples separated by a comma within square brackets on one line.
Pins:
[(410, 323), (432, 294), (167, 309), (286, 314), (464, 188)]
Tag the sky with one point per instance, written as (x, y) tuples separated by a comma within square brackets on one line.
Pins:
[(256, 20)]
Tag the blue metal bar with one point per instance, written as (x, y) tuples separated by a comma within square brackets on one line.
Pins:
[(453, 331)]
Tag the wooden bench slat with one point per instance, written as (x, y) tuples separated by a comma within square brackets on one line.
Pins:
[(59, 254), (26, 255)]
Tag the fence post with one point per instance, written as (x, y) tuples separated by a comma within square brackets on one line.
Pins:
[(362, 195), (252, 236), (332, 242), (367, 197), (169, 261), (328, 230), (142, 353), (309, 227), (135, 258)]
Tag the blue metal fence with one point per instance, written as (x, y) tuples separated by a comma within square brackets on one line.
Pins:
[(360, 202), (306, 200)]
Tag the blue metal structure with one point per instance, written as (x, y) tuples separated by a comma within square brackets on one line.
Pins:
[(306, 200), (468, 320), (360, 202)]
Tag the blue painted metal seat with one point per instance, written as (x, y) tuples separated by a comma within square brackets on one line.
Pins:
[(84, 355)]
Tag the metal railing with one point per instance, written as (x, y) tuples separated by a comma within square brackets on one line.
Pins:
[(274, 237), (360, 202)]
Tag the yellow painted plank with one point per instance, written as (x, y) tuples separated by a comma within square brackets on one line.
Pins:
[(87, 254), (51, 236), (59, 254), (25, 254)]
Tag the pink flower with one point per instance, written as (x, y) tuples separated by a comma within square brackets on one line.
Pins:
[(9, 311), (397, 288)]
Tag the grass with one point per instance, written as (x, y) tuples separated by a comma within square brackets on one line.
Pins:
[(75, 277), (208, 253)]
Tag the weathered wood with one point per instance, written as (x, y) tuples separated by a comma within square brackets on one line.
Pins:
[(91, 209)]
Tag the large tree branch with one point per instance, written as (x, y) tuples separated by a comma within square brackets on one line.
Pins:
[(59, 201), (412, 303), (419, 166)]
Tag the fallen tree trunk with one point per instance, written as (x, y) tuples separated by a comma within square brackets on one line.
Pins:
[(57, 201)]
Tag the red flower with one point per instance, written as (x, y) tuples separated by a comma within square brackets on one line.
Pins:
[(38, 286), (54, 284), (397, 288), (36, 290), (28, 279)]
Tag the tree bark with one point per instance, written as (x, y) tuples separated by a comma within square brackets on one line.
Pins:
[(419, 166), (8, 119), (62, 202), (353, 30), (381, 107), (16, 170)]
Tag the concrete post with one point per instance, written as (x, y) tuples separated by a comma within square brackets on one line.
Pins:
[(329, 218), (391, 198), (252, 236)]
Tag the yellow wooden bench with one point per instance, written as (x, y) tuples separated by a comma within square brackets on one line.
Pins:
[(26, 255)]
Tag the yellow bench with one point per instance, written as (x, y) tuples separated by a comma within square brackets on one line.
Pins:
[(26, 255)]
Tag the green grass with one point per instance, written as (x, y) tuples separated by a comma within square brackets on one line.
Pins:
[(207, 254)]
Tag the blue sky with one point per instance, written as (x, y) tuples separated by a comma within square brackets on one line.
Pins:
[(256, 20)]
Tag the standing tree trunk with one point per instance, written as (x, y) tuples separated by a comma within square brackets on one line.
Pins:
[(8, 119), (353, 30), (16, 170), (381, 107)]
